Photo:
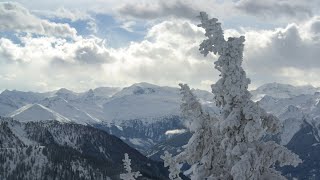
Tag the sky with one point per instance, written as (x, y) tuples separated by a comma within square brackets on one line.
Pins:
[(46, 45)]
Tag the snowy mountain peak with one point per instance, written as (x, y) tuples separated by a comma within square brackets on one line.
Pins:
[(138, 89), (278, 90), (145, 85), (143, 88), (66, 94), (5, 92), (279, 87), (266, 99), (22, 96), (89, 94), (37, 112), (64, 91)]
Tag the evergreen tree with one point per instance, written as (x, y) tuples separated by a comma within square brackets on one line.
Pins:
[(170, 162), (129, 175), (230, 146)]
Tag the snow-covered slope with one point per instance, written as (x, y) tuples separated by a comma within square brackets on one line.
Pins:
[(277, 90), (278, 106), (139, 101), (91, 103), (293, 112), (292, 120), (106, 91), (37, 112), (140, 114), (142, 101), (144, 112), (66, 94), (13, 100), (148, 102), (63, 107)]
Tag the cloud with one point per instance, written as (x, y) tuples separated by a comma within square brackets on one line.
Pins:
[(167, 56), (53, 61), (288, 9), (314, 25), (73, 15), (14, 17), (158, 9), (88, 51), (287, 55)]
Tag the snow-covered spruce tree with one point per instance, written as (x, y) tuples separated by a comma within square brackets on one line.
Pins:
[(129, 175), (230, 146), (170, 162), (202, 150)]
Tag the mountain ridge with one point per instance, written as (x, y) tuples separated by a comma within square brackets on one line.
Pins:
[(143, 112), (41, 148)]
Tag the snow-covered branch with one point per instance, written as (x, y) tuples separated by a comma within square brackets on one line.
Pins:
[(129, 175), (173, 166)]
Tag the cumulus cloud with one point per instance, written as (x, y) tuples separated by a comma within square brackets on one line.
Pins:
[(71, 14), (288, 55), (88, 51), (14, 17), (167, 56), (53, 62)]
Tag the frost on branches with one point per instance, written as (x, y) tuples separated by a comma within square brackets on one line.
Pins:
[(170, 162), (129, 175), (202, 150), (230, 146)]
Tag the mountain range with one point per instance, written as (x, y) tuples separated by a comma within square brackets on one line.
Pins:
[(147, 116), (139, 114)]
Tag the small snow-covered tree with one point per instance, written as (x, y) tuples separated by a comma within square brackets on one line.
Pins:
[(129, 175), (202, 150), (230, 146), (170, 162)]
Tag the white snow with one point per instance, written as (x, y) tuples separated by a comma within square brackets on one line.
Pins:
[(228, 146), (142, 101), (65, 108), (147, 102), (150, 103), (37, 112), (19, 132), (277, 90), (137, 141)]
